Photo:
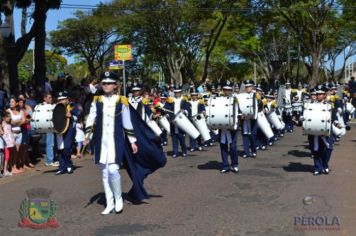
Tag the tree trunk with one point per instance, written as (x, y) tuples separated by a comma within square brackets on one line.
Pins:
[(40, 44), (91, 68), (23, 21), (314, 69)]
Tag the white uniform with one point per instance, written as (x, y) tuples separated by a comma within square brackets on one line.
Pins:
[(107, 154), (110, 170)]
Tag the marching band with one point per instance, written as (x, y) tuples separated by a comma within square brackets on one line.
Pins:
[(201, 117)]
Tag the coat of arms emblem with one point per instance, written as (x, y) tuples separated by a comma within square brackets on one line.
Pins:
[(38, 211)]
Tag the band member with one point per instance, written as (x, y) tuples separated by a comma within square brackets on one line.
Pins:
[(322, 145), (161, 108), (298, 98), (261, 141), (312, 98), (288, 112), (66, 140), (136, 97), (249, 127), (195, 106), (228, 137), (116, 128), (180, 105)]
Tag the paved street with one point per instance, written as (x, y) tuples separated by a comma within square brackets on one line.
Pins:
[(191, 197)]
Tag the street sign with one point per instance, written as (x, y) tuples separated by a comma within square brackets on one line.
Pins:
[(116, 65), (123, 52)]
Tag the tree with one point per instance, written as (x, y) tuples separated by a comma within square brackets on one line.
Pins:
[(37, 30), (177, 35), (89, 35), (55, 64), (312, 22)]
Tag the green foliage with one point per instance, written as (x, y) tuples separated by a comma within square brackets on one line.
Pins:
[(89, 35), (55, 64)]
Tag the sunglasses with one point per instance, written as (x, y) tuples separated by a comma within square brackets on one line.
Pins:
[(106, 83)]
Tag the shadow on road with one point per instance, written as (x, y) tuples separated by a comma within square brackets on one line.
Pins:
[(298, 153), (298, 167), (56, 169), (99, 199), (211, 165)]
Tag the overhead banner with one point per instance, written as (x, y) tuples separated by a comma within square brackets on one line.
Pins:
[(123, 52)]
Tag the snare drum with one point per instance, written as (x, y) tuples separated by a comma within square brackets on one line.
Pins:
[(317, 118), (184, 124), (200, 122), (288, 109), (222, 112), (248, 105), (48, 118)]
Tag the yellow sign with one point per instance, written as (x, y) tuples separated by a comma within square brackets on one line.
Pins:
[(123, 52)]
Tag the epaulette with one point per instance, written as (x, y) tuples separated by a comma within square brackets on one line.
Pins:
[(274, 103), (97, 98), (185, 98), (258, 97), (124, 100), (201, 101), (170, 100), (264, 102), (145, 101), (294, 91)]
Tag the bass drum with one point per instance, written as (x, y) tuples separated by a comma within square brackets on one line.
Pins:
[(248, 105), (317, 118), (222, 113), (50, 118)]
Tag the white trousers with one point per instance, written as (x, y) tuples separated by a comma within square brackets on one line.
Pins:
[(112, 184), (110, 171)]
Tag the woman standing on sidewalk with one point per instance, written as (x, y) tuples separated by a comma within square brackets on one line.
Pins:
[(17, 119), (26, 132)]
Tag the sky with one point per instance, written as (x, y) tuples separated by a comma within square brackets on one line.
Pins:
[(56, 16)]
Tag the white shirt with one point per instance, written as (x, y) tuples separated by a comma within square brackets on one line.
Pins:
[(177, 104), (134, 101), (194, 107), (79, 135), (107, 154)]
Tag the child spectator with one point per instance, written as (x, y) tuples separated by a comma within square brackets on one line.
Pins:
[(9, 139), (79, 138)]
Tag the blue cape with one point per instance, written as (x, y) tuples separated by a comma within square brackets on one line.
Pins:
[(149, 158)]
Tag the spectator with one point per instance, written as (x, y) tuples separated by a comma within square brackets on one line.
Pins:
[(3, 97), (48, 99), (9, 144), (26, 131), (48, 87), (17, 119), (79, 138), (31, 100)]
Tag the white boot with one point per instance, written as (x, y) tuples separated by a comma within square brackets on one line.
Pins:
[(109, 198), (116, 188)]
